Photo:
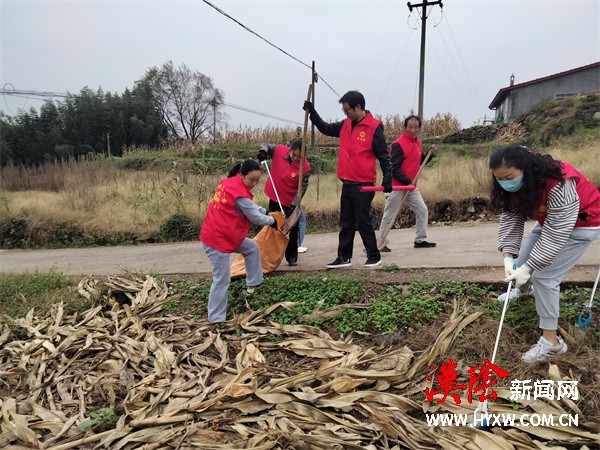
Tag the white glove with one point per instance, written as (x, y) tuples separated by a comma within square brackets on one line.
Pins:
[(521, 275), (509, 264)]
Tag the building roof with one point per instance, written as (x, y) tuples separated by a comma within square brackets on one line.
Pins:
[(503, 93)]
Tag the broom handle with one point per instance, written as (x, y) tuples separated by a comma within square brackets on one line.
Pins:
[(303, 148), (414, 181), (381, 188)]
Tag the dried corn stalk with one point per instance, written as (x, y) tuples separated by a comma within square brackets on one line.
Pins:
[(185, 384)]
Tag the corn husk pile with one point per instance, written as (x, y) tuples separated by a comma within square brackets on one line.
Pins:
[(177, 383)]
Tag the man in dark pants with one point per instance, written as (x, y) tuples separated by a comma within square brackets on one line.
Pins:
[(362, 143)]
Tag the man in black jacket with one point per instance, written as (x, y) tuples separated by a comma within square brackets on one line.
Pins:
[(362, 143)]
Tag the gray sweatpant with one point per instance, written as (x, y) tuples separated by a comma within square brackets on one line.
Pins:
[(415, 202), (221, 275), (546, 282)]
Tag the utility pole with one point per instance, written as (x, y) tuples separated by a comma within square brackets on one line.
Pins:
[(314, 79), (214, 104), (424, 5)]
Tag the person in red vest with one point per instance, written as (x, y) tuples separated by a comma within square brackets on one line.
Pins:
[(362, 143), (406, 154), (225, 229), (284, 174), (566, 208)]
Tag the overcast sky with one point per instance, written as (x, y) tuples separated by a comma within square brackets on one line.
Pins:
[(472, 49)]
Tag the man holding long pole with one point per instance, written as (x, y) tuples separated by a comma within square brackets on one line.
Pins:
[(407, 159), (362, 143)]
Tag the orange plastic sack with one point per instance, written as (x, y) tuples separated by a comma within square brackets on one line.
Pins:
[(271, 243)]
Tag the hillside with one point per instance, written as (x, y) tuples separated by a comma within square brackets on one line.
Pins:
[(548, 121)]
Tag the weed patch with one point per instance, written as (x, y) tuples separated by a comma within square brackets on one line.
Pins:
[(39, 290)]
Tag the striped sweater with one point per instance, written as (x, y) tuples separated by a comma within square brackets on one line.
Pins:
[(563, 208)]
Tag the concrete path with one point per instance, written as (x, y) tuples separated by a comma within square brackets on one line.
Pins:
[(467, 245)]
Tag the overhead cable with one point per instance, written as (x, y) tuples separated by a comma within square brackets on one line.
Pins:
[(267, 41), (394, 70), (464, 66), (242, 108), (255, 33), (458, 89)]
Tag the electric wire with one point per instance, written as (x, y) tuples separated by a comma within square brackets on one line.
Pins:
[(449, 54), (394, 70), (470, 80), (467, 100), (243, 108), (45, 95), (268, 42), (42, 94), (255, 33)]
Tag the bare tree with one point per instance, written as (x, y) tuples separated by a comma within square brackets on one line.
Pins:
[(186, 99)]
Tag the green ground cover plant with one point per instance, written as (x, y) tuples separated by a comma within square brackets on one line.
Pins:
[(354, 303), (40, 290)]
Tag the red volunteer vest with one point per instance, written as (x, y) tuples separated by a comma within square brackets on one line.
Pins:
[(356, 160), (589, 198), (285, 174), (412, 149), (224, 228)]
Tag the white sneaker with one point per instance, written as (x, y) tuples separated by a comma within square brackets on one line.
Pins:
[(543, 349), (514, 293), (302, 249), (251, 289)]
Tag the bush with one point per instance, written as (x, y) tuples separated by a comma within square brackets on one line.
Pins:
[(13, 233), (178, 227)]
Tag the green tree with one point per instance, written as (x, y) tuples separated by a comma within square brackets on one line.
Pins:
[(86, 120)]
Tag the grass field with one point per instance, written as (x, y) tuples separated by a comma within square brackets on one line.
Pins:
[(128, 199)]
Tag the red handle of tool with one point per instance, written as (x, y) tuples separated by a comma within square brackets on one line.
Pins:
[(380, 188)]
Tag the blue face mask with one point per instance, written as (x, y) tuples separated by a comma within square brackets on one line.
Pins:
[(511, 185)]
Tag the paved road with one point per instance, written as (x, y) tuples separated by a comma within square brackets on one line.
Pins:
[(470, 245)]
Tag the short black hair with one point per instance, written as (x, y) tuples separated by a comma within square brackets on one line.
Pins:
[(296, 144), (412, 116), (354, 99)]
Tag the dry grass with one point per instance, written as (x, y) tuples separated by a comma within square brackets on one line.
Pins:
[(111, 199), (393, 126), (583, 154), (97, 196)]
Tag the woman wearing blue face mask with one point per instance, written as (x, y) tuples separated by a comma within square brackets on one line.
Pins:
[(566, 208)]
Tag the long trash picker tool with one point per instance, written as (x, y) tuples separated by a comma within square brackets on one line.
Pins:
[(381, 245), (582, 320), (275, 189), (482, 407)]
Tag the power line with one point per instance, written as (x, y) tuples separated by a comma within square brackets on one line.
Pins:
[(255, 33), (459, 90), (268, 42), (394, 70), (40, 94), (242, 108), (464, 66), (47, 94)]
